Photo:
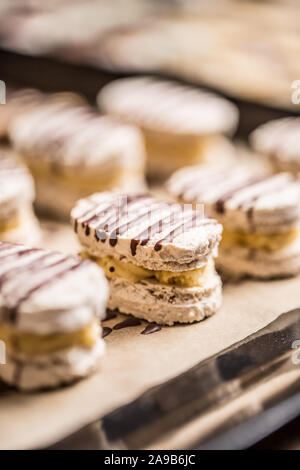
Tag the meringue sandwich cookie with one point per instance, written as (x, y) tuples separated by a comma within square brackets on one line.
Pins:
[(50, 306), (181, 125), (159, 259), (16, 101), (278, 141), (17, 220), (259, 213), (25, 99), (73, 152)]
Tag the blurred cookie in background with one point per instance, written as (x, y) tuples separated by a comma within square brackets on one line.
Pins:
[(25, 99), (182, 125), (17, 220), (72, 152), (158, 258), (278, 141), (259, 212), (16, 101), (51, 305)]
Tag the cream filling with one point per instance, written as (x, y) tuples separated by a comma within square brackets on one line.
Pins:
[(33, 344), (114, 268), (259, 241), (89, 183), (183, 149), (11, 223)]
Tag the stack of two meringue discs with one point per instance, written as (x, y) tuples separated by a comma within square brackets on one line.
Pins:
[(158, 258), (277, 142), (50, 307), (159, 261), (259, 212), (72, 152)]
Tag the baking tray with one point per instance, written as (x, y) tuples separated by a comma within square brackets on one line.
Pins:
[(135, 363)]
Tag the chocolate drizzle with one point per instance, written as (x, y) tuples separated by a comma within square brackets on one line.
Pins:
[(48, 280), (68, 130), (133, 246), (113, 218), (127, 323), (11, 272), (218, 187), (185, 226), (199, 182), (106, 331), (152, 328), (220, 203), (109, 315), (25, 271)]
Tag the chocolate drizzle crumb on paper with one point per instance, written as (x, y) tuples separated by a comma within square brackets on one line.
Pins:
[(127, 323), (152, 328), (109, 315), (106, 331), (109, 221)]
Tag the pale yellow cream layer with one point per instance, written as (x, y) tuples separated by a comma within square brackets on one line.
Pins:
[(34, 344), (114, 268), (259, 241), (9, 224), (185, 149), (86, 183)]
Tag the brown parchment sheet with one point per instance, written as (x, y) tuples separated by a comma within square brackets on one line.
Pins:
[(135, 362)]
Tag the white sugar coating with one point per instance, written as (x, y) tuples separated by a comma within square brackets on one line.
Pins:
[(279, 140), (167, 106), (44, 292), (240, 198), (17, 101), (76, 138), (154, 234), (25, 99), (47, 293)]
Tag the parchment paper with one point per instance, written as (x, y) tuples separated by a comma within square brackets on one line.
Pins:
[(135, 362)]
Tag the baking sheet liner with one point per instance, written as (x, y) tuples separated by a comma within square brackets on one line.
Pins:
[(135, 362)]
